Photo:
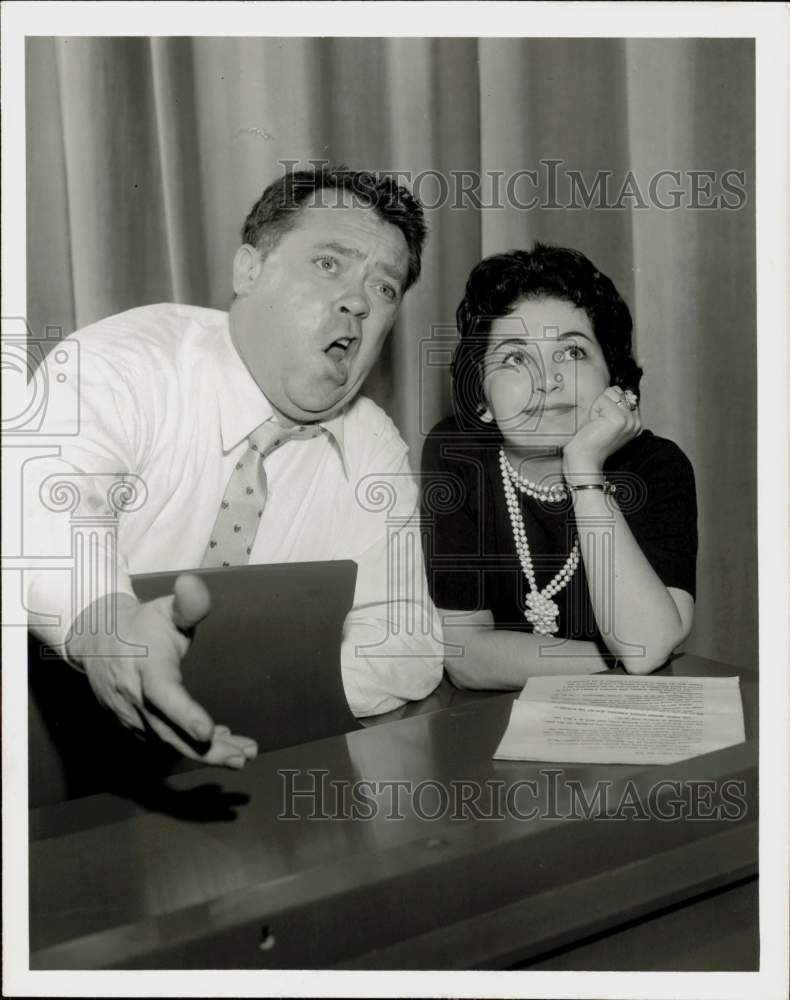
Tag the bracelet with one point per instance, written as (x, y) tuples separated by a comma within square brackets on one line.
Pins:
[(607, 488)]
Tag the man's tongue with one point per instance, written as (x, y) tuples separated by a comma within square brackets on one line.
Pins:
[(336, 351), (338, 354)]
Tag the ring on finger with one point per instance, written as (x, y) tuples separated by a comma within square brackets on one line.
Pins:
[(629, 400)]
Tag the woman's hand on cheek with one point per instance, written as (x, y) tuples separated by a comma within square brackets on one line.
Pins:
[(610, 427)]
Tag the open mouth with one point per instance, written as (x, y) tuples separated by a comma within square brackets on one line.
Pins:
[(339, 349), (340, 353)]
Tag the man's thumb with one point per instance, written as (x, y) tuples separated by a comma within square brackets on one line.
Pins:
[(191, 601)]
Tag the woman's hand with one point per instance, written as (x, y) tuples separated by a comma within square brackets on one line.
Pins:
[(611, 425)]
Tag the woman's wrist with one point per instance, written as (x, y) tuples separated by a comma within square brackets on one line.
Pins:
[(580, 470)]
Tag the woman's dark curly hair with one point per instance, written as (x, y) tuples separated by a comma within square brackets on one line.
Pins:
[(498, 283)]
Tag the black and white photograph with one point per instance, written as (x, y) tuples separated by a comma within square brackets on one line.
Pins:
[(395, 538)]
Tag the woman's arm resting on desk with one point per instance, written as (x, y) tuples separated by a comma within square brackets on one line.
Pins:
[(492, 658), (641, 620)]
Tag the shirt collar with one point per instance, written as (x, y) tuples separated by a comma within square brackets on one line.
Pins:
[(243, 407)]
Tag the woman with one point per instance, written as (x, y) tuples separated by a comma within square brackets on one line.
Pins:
[(560, 536)]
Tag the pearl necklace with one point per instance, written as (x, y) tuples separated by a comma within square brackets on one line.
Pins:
[(555, 493), (540, 611)]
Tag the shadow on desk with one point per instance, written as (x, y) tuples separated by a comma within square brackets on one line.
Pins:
[(76, 748)]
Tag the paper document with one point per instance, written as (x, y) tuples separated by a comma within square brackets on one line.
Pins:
[(623, 719)]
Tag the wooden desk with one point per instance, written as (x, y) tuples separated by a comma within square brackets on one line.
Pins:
[(209, 877)]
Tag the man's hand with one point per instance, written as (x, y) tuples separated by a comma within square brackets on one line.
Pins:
[(146, 691), (610, 427)]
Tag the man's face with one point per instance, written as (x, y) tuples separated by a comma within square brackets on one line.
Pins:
[(543, 369), (310, 319)]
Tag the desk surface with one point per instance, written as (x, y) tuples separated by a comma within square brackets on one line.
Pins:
[(211, 874)]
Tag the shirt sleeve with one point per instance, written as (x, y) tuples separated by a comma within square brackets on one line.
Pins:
[(392, 649), (74, 493)]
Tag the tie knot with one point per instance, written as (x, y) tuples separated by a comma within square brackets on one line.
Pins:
[(271, 435)]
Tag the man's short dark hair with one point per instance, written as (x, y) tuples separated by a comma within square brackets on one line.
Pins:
[(277, 210), (498, 283)]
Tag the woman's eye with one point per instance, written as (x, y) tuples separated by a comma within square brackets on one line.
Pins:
[(574, 352), (515, 359), (327, 264)]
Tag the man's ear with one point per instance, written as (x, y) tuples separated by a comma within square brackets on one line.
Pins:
[(246, 269)]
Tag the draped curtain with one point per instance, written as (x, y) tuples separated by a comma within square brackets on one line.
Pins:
[(145, 154)]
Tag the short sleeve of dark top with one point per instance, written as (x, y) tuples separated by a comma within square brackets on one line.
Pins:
[(470, 555)]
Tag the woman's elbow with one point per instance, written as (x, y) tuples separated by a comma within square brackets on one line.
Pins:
[(641, 665), (647, 658), (656, 636)]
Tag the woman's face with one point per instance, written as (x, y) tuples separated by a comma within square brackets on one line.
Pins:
[(542, 371)]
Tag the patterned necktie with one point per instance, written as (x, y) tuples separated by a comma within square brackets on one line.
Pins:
[(245, 495)]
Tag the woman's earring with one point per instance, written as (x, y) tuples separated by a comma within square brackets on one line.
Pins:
[(485, 414)]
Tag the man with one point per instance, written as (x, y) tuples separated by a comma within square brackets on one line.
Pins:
[(178, 397)]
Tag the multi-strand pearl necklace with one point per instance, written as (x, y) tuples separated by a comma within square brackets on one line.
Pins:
[(555, 493), (540, 611)]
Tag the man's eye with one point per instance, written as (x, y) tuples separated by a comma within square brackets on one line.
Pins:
[(327, 264), (389, 293)]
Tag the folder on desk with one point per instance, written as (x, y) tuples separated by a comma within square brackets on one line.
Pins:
[(265, 662)]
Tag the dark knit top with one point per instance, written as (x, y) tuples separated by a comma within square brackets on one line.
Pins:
[(470, 554)]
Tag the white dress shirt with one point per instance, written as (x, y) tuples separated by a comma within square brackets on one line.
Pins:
[(163, 396)]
